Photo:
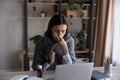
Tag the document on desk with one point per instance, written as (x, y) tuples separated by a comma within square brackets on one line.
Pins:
[(19, 77), (33, 78), (25, 77)]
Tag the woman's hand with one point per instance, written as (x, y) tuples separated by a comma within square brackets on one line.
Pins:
[(52, 57), (62, 43)]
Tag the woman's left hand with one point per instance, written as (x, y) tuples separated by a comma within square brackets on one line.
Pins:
[(52, 57)]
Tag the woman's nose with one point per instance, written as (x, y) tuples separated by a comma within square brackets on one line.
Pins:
[(60, 33)]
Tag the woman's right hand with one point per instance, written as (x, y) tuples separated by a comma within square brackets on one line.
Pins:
[(62, 43), (52, 57)]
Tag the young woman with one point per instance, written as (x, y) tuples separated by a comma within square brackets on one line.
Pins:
[(56, 47)]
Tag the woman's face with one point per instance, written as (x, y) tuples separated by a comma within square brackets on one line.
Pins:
[(59, 30)]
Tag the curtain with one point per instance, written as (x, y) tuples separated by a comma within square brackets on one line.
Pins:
[(101, 24), (109, 31), (116, 35), (111, 39), (108, 36)]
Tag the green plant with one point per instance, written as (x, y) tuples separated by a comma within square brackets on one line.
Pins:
[(107, 60), (42, 12), (71, 5), (81, 36), (82, 6), (34, 8), (35, 38)]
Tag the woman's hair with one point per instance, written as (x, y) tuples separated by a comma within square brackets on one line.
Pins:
[(57, 19)]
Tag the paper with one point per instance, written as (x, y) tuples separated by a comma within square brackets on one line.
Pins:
[(34, 78), (19, 77)]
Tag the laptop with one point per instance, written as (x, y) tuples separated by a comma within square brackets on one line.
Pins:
[(78, 71)]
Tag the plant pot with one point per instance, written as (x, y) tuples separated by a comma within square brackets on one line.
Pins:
[(83, 46), (42, 15), (71, 13), (76, 1)]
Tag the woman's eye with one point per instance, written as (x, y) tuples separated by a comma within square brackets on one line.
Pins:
[(57, 31)]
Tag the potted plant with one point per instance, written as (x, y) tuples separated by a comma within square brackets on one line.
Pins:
[(33, 41), (35, 38), (108, 67), (71, 10), (83, 12), (42, 14), (82, 37), (34, 11)]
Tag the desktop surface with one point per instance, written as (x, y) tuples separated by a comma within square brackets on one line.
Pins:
[(51, 74)]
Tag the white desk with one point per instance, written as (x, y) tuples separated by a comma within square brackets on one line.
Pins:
[(115, 72), (50, 74), (9, 75)]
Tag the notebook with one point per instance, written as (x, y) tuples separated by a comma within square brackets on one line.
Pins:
[(78, 71)]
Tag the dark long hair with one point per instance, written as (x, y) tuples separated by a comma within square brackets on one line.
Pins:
[(57, 19)]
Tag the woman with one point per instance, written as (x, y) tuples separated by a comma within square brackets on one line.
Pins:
[(57, 46)]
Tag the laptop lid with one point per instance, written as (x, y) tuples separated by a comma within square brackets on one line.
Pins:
[(78, 71)]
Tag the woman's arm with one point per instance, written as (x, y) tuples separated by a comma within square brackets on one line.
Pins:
[(67, 49), (71, 52), (42, 56)]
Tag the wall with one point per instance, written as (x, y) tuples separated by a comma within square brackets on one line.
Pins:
[(11, 34)]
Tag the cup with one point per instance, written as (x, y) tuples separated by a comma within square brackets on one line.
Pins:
[(108, 70)]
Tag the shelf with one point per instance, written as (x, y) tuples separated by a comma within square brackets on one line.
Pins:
[(64, 4), (38, 18), (42, 3), (50, 17), (82, 54), (84, 51), (82, 18), (78, 51), (78, 4), (28, 7), (30, 54)]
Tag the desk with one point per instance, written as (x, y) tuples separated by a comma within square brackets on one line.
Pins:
[(115, 72), (9, 75), (50, 74)]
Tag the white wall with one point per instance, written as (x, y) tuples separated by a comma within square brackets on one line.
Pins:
[(11, 34)]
